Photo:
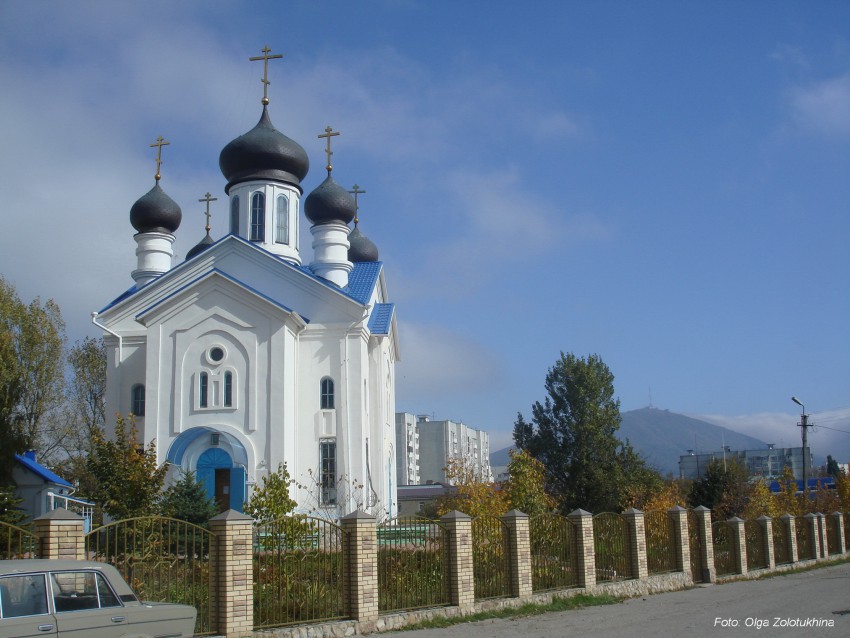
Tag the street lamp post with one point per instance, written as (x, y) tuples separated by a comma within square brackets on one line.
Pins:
[(805, 425)]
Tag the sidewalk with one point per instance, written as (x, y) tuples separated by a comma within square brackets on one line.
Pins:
[(812, 603)]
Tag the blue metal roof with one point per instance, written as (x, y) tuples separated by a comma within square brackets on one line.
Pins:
[(362, 280), (381, 319), (37, 468)]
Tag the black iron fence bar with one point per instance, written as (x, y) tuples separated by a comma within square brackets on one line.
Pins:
[(490, 558), (553, 552), (410, 565), (17, 542), (781, 542), (163, 559), (724, 547), (298, 572), (612, 547), (660, 542), (805, 542), (756, 551)]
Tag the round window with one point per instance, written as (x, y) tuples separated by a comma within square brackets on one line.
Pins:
[(216, 354)]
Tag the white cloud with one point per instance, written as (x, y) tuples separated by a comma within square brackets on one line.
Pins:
[(823, 107)]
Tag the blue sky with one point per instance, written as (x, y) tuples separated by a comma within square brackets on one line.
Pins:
[(665, 184)]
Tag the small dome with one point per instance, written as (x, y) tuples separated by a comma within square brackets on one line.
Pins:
[(200, 247), (155, 212), (361, 248), (263, 153), (329, 202)]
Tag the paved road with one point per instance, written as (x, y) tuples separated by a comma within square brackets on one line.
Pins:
[(743, 608)]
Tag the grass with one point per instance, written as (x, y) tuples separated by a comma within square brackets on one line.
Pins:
[(528, 609)]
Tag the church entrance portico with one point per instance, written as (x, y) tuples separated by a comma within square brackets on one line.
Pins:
[(219, 461)]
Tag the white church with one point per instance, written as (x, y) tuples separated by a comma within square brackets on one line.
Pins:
[(248, 353)]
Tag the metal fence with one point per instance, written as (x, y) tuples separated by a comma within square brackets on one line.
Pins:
[(411, 564), (756, 549), (805, 542), (724, 548), (553, 552), (695, 541), (490, 558), (833, 543), (17, 542), (163, 560), (660, 542), (781, 542), (298, 572), (613, 550)]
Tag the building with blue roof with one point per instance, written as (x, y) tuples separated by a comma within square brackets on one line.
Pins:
[(248, 355)]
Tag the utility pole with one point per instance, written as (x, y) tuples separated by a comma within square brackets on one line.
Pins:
[(804, 423)]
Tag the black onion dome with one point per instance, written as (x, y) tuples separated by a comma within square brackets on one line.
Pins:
[(155, 212), (329, 202), (361, 248), (263, 153), (200, 247)]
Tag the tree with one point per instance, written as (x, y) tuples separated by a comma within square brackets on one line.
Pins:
[(32, 341), (187, 500), (271, 500), (470, 493), (573, 434), (128, 480), (723, 489), (526, 486), (84, 415)]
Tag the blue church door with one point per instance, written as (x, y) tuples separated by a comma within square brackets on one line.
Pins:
[(224, 483)]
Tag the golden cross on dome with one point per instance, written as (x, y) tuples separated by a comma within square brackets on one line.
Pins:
[(208, 198), (265, 58), (159, 144), (329, 133), (356, 191)]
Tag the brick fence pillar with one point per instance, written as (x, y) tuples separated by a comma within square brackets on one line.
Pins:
[(811, 520), (360, 565), (60, 535), (739, 544), (767, 540), (791, 530), (519, 547), (459, 558), (678, 517), (232, 567), (585, 551), (839, 527), (706, 544), (637, 543)]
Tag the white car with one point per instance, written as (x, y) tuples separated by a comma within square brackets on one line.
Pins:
[(83, 599)]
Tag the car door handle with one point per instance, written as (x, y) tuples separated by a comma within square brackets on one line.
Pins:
[(119, 618), (46, 627)]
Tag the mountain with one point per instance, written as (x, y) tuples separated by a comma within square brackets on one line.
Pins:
[(662, 437)]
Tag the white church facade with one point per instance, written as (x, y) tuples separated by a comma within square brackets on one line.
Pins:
[(245, 355)]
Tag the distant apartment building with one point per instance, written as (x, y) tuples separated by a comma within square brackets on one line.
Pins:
[(766, 463), (424, 447)]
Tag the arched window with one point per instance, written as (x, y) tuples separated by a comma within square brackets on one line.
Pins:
[(228, 389), (203, 389), (137, 400), (234, 215), (281, 235), (258, 217), (327, 394)]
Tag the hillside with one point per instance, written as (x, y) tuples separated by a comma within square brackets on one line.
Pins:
[(662, 436)]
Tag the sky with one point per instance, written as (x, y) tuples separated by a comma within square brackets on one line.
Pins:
[(664, 184)]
